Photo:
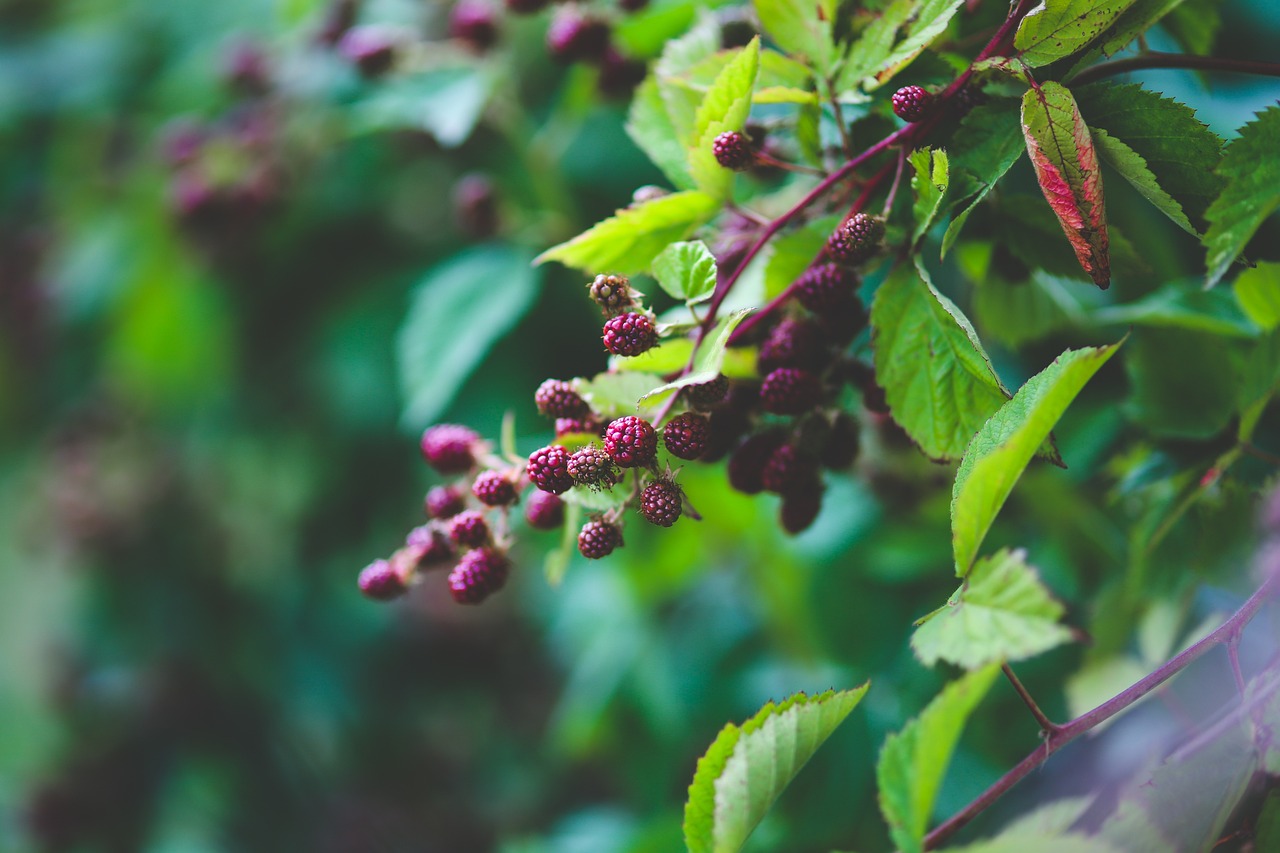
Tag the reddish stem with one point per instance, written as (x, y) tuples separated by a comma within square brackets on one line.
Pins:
[(1175, 60)]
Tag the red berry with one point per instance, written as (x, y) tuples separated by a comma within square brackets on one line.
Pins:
[(733, 151), (726, 427), (544, 511), (787, 470), (592, 467), (911, 103), (863, 376), (824, 287), (746, 465), (557, 399), (426, 546), (575, 37), (707, 394), (479, 574), (629, 334), (800, 508), (380, 582), (474, 23), (631, 442), (789, 391), (686, 435), (370, 48), (469, 529), (792, 343), (612, 293), (449, 448), (444, 502), (857, 239), (548, 469), (494, 488), (598, 539), (841, 447), (660, 503)]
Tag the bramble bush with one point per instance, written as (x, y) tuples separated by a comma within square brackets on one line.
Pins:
[(933, 339)]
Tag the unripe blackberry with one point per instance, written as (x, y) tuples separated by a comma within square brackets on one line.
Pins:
[(370, 48), (660, 503), (380, 582), (427, 546), (592, 467), (790, 391), (575, 37), (629, 334), (800, 508), (787, 470), (612, 293), (840, 449), (686, 435), (792, 343), (863, 376), (449, 448), (473, 22), (631, 442), (479, 574), (588, 425), (494, 488), (444, 502), (746, 465), (824, 287), (707, 394), (733, 151), (547, 469), (469, 529), (557, 399), (911, 103), (544, 511), (857, 239), (619, 75), (598, 539), (842, 323)]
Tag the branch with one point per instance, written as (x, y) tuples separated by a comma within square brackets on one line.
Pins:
[(1175, 60), (1046, 725)]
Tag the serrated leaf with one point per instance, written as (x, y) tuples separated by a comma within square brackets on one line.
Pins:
[(1133, 22), (914, 761), (1002, 612), (932, 175), (937, 378), (709, 360), (453, 320), (801, 28), (928, 20), (724, 107), (1175, 307), (1251, 194), (628, 241), (1058, 28), (650, 127), (687, 271), (987, 144), (615, 394), (1134, 169), (1175, 146), (1066, 166), (1258, 294), (879, 53), (1001, 450), (745, 769)]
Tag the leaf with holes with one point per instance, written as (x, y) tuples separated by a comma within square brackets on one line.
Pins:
[(1058, 28), (932, 175)]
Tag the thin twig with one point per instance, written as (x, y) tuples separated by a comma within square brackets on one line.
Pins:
[(897, 179), (1046, 725), (1156, 59), (1259, 453)]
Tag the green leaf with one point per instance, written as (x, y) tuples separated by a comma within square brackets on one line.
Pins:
[(1066, 166), (930, 183), (1002, 612), (937, 378), (879, 54), (987, 144), (1017, 314), (670, 356), (873, 47), (1023, 842), (445, 102), (1174, 148), (628, 241), (1133, 22), (558, 558), (598, 500), (1058, 28), (710, 358), (1183, 381), (784, 95), (459, 309), (724, 107), (1194, 24), (1174, 307), (1001, 450), (616, 394), (687, 271), (801, 28), (1258, 293), (929, 18), (649, 125), (1252, 192), (914, 761), (793, 252), (745, 769)]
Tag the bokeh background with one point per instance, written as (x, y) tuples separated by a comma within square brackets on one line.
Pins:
[(217, 241)]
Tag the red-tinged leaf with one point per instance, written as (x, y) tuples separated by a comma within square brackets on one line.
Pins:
[(1066, 165)]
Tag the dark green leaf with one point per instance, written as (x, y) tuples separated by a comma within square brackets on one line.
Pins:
[(1183, 381), (930, 182), (1252, 192), (890, 43), (987, 144), (1058, 28), (1194, 24), (1174, 307)]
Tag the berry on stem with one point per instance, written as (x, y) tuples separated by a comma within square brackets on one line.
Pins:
[(629, 334), (599, 538), (824, 287), (557, 399), (800, 508), (379, 581), (686, 435), (449, 448), (612, 293), (444, 502), (494, 488), (792, 343), (707, 394), (660, 502), (787, 470), (911, 103), (840, 449), (790, 391), (733, 151), (428, 546), (592, 467), (479, 574), (548, 469), (544, 511), (469, 529), (631, 442), (746, 465), (857, 239)]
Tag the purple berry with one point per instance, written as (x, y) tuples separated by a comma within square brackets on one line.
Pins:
[(629, 334), (841, 446), (746, 465), (579, 426), (619, 75), (479, 574), (575, 37), (494, 488), (707, 394), (598, 539), (632, 5), (380, 582), (733, 151), (449, 448), (686, 435), (790, 391), (842, 323), (631, 442), (825, 287), (911, 103), (548, 469), (469, 529), (429, 546), (800, 508), (857, 239), (473, 22), (792, 343), (370, 48), (444, 502), (787, 470), (557, 399), (612, 293), (544, 511), (660, 503), (592, 467), (726, 428)]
